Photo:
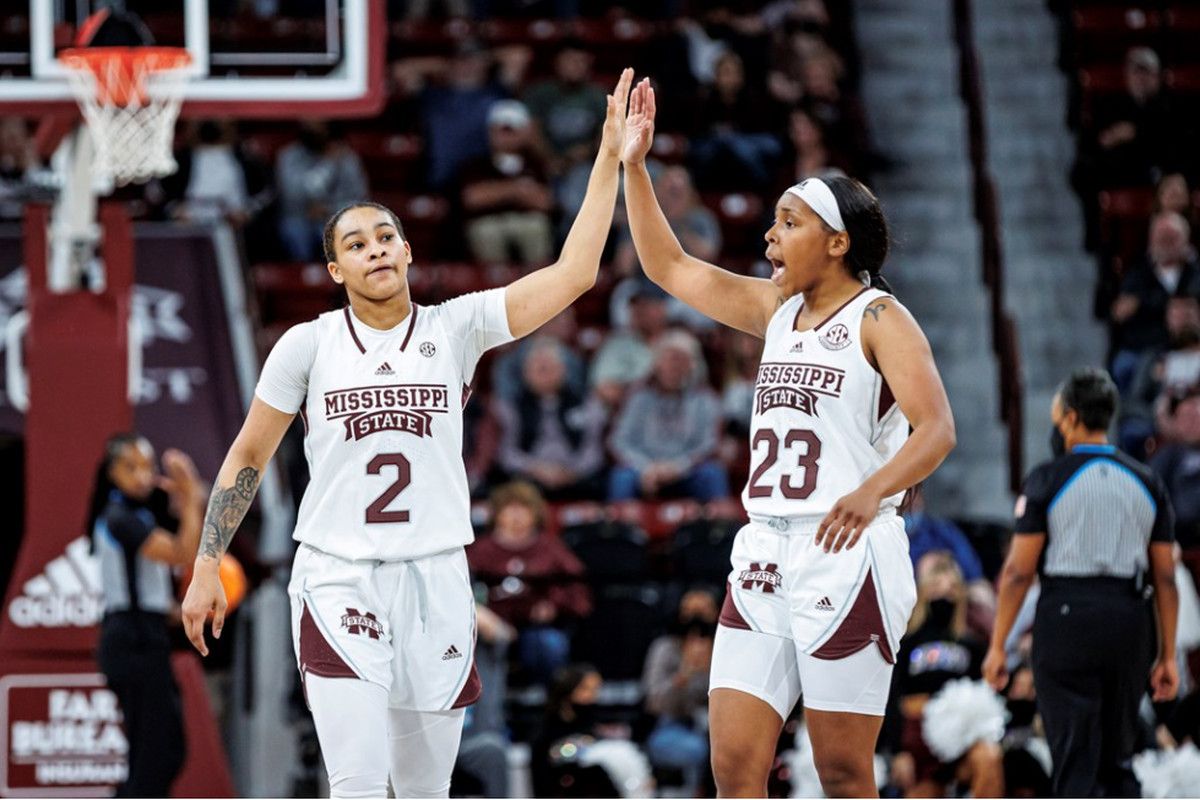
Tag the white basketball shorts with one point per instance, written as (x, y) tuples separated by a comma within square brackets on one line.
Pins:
[(408, 626), (800, 621)]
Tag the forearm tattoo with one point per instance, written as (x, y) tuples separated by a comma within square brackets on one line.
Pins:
[(874, 310), (226, 508)]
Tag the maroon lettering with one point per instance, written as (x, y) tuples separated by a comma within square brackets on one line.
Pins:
[(377, 512), (808, 462)]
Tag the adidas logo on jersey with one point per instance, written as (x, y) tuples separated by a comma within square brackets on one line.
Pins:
[(451, 653), (824, 605), (798, 347), (66, 593), (385, 369)]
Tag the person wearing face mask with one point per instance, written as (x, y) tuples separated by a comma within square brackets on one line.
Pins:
[(137, 543), (1096, 529), (505, 195), (937, 649)]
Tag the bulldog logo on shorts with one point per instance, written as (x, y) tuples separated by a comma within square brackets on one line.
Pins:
[(356, 622), (761, 576)]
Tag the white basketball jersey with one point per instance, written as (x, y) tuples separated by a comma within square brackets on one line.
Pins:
[(383, 424), (824, 418)]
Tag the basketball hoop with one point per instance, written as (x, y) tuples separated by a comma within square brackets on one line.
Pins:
[(130, 99)]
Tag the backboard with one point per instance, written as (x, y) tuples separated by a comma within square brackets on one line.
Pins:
[(250, 58)]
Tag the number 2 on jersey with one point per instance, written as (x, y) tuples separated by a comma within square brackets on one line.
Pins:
[(376, 511), (807, 462)]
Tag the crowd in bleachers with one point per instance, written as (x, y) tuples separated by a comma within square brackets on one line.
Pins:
[(606, 452)]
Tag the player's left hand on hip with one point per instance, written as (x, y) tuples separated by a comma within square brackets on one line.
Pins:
[(844, 524)]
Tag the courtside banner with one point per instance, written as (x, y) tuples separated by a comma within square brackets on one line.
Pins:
[(186, 396), (60, 736)]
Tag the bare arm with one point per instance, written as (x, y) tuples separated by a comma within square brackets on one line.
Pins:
[(1017, 575), (1164, 678), (539, 296), (232, 493), (735, 300), (894, 341)]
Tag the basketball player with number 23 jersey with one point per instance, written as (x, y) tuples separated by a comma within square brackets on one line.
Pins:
[(821, 586), (383, 616)]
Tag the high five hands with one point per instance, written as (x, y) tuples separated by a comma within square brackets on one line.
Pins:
[(639, 124)]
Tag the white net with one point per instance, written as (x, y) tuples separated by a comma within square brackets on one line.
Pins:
[(130, 104)]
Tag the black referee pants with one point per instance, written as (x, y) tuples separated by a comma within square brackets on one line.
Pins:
[(135, 656), (1093, 646)]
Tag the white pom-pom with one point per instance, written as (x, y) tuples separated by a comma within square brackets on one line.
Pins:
[(962, 713), (1169, 773), (626, 765)]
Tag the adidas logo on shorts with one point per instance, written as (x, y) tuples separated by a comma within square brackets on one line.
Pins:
[(823, 605), (385, 369), (451, 653)]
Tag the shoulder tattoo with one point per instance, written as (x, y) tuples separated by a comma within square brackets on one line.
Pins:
[(874, 310)]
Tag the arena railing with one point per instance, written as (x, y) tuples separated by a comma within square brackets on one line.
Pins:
[(1005, 341)]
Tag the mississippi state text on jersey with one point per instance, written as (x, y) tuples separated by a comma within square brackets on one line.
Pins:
[(824, 418), (383, 424)]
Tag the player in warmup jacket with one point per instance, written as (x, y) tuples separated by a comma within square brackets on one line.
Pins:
[(821, 587), (383, 615)]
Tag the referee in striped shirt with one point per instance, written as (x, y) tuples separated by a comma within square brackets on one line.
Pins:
[(1095, 527)]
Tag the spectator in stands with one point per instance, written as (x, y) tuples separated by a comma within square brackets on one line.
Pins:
[(509, 368), (18, 165), (505, 194), (1173, 368), (568, 107), (1134, 136), (481, 444), (455, 113), (570, 714), (743, 353), (734, 146), (216, 179), (694, 224), (675, 681), (316, 175), (552, 436), (1174, 194), (1026, 753), (927, 534), (1139, 311), (665, 438), (811, 154), (626, 356), (838, 111), (1178, 465), (794, 43), (936, 650), (534, 582)]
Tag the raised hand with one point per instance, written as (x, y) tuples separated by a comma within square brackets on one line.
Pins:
[(639, 125), (613, 137)]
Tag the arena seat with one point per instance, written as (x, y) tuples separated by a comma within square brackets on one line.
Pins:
[(700, 550), (612, 551), (625, 620), (1106, 33)]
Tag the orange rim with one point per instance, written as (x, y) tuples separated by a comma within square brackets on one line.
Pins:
[(120, 72)]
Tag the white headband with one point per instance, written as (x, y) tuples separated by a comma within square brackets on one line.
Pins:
[(820, 199)]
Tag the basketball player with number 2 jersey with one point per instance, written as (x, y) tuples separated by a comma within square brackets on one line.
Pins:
[(383, 616), (821, 585)]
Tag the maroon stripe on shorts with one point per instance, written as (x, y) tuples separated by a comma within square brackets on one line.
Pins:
[(316, 654), (471, 690), (861, 627), (730, 616)]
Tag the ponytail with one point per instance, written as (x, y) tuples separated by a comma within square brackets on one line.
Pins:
[(102, 485), (867, 228)]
